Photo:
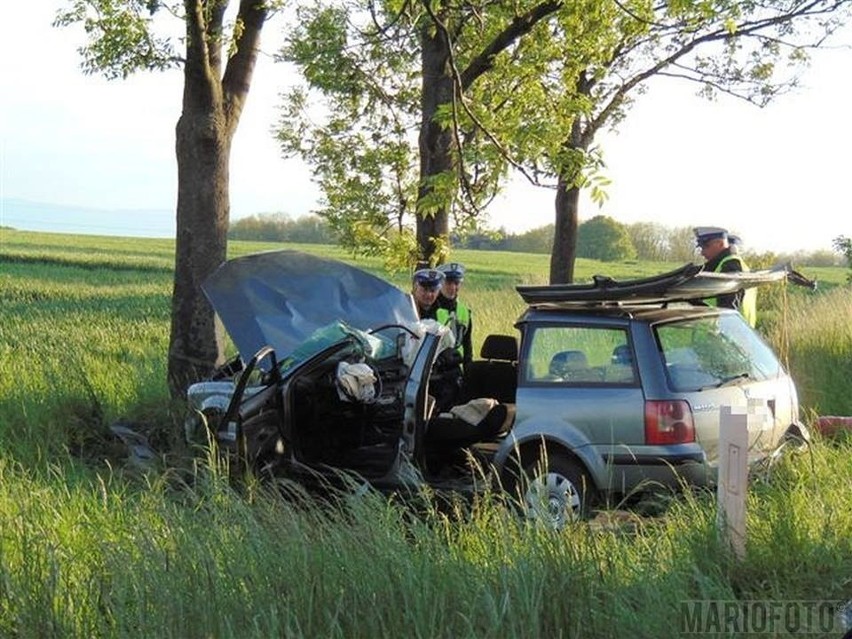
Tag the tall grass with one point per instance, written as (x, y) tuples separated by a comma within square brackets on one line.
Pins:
[(99, 559), (814, 337), (96, 550)]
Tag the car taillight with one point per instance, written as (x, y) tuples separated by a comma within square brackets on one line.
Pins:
[(668, 422)]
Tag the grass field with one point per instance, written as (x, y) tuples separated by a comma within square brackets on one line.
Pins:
[(93, 549)]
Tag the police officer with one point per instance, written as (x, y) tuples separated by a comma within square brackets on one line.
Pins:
[(734, 243), (452, 312), (719, 257), (425, 286)]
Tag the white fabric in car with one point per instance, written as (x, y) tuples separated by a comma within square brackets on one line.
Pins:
[(356, 382)]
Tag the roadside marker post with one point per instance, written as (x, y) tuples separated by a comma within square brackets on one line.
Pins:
[(732, 483)]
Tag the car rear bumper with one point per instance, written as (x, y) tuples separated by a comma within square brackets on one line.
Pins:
[(625, 474)]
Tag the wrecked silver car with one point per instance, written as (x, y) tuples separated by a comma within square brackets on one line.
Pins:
[(613, 387), (338, 379)]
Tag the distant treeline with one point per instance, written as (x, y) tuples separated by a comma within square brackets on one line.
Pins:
[(279, 227), (601, 238)]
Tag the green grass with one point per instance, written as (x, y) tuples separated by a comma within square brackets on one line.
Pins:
[(814, 335), (97, 549), (104, 559)]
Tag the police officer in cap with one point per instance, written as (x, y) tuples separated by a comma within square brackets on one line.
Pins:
[(452, 312), (425, 287), (734, 243), (719, 257)]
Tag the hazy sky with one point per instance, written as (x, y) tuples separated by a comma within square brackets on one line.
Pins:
[(778, 176)]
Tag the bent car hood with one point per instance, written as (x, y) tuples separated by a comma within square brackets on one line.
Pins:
[(279, 298)]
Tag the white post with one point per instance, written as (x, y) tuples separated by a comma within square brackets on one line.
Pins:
[(733, 479)]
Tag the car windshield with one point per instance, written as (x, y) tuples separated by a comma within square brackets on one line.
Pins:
[(713, 351), (375, 346)]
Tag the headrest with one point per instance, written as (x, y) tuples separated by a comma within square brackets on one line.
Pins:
[(500, 347), (567, 361), (621, 355)]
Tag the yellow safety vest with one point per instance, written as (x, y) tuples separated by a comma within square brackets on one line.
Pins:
[(460, 319), (748, 305)]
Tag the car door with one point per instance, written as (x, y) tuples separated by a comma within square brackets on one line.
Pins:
[(579, 381)]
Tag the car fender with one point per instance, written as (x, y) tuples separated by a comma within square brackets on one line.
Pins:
[(206, 398), (553, 432)]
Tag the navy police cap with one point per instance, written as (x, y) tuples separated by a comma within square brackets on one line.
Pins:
[(428, 277), (453, 271), (704, 234)]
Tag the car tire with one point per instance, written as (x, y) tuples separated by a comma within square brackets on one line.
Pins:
[(556, 491)]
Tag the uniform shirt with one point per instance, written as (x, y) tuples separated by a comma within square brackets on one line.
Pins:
[(464, 344), (720, 264)]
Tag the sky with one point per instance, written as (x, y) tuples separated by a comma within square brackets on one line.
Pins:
[(776, 176)]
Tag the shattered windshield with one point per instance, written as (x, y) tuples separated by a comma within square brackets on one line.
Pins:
[(376, 346)]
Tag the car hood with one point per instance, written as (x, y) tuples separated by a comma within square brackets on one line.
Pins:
[(280, 298)]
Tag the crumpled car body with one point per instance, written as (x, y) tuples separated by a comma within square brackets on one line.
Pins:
[(293, 407)]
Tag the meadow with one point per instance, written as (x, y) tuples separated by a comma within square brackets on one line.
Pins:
[(92, 547)]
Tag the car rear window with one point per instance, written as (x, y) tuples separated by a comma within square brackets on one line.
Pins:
[(578, 355), (712, 351)]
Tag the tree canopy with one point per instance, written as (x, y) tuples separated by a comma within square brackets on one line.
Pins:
[(395, 142), (533, 104)]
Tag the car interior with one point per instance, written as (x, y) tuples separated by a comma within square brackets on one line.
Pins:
[(327, 428)]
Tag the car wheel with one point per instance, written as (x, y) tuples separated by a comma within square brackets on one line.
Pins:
[(557, 491)]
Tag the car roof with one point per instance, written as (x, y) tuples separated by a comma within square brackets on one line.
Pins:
[(617, 313), (687, 283)]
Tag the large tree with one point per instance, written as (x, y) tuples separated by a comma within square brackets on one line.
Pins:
[(387, 71), (752, 51), (218, 61)]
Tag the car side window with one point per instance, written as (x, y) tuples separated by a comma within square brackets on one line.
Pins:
[(568, 355), (711, 351)]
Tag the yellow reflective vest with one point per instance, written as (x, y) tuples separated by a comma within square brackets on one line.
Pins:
[(459, 321), (748, 304)]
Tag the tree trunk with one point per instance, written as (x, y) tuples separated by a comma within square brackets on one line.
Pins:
[(436, 144), (203, 150), (567, 204), (212, 105), (564, 250)]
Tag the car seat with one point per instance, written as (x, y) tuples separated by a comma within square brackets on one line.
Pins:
[(496, 374), (569, 366), (621, 355)]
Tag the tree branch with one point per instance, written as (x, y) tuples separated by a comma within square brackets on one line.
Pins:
[(199, 77), (240, 68), (520, 26), (751, 28)]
